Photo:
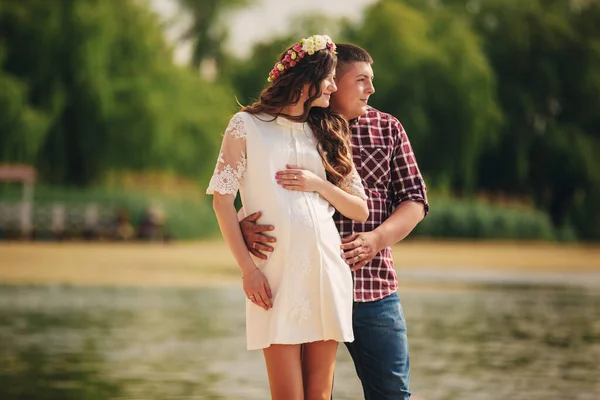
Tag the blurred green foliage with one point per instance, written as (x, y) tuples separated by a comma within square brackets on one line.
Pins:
[(469, 219), (208, 30), (498, 97), (90, 86)]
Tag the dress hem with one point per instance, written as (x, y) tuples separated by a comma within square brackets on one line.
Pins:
[(296, 342)]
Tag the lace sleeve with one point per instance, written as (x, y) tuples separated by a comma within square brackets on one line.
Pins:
[(231, 163), (353, 184)]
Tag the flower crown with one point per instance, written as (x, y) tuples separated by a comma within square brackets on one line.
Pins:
[(298, 51)]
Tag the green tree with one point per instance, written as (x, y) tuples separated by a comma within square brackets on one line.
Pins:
[(207, 30), (545, 58), (546, 55), (431, 73), (21, 125), (92, 87)]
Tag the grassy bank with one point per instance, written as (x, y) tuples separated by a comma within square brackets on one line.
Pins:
[(210, 263)]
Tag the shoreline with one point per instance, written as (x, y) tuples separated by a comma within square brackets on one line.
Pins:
[(209, 263)]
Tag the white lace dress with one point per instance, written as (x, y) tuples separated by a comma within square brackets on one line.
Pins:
[(311, 284)]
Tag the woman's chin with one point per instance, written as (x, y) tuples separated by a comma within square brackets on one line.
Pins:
[(321, 104)]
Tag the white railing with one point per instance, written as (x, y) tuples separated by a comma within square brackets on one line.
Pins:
[(54, 217)]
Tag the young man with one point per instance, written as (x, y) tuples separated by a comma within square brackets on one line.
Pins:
[(397, 202)]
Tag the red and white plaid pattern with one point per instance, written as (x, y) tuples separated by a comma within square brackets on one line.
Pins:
[(385, 160)]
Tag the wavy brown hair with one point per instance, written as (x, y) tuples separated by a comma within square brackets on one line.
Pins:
[(331, 130)]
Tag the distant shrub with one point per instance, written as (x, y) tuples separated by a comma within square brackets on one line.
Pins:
[(456, 218)]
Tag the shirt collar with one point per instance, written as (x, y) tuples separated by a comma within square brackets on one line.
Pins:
[(298, 126)]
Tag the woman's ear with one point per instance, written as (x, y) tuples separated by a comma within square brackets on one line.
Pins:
[(305, 93)]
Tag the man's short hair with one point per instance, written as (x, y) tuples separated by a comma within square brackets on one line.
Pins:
[(348, 53)]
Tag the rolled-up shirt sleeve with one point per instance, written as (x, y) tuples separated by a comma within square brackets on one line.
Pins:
[(406, 179)]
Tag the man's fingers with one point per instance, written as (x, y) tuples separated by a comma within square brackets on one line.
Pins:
[(349, 238), (264, 238), (351, 253), (254, 216), (258, 247), (258, 254), (354, 260), (262, 247), (260, 238), (262, 228), (360, 258), (351, 245)]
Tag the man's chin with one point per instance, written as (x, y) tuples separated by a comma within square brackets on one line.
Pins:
[(362, 110)]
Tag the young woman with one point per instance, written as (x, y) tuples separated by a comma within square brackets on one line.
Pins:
[(289, 156)]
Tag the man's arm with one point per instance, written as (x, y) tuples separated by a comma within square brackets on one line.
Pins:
[(409, 196), (361, 248), (256, 241), (400, 224)]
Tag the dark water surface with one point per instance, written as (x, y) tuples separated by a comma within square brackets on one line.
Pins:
[(479, 342)]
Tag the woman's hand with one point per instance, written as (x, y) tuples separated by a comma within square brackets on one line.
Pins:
[(298, 179), (257, 288)]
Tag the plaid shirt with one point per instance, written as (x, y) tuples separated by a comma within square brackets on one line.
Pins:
[(385, 160)]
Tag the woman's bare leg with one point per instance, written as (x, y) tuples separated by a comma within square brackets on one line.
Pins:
[(318, 364), (284, 368)]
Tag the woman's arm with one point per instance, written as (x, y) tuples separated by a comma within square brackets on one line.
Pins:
[(254, 281), (350, 205), (224, 185), (230, 229)]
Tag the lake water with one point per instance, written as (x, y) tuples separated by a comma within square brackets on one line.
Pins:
[(475, 341)]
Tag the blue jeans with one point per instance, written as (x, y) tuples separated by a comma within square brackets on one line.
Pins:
[(380, 349)]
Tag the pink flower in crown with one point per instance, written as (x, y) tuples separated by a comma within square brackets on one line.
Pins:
[(300, 50)]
